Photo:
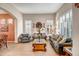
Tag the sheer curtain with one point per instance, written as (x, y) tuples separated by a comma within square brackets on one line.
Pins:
[(65, 24)]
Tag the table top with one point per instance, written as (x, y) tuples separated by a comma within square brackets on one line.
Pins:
[(40, 41)]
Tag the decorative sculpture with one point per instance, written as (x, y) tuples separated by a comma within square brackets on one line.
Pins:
[(39, 26)]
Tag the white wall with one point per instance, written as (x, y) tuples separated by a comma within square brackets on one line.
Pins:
[(75, 33), (19, 19)]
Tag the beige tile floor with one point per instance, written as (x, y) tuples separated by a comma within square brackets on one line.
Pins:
[(25, 49)]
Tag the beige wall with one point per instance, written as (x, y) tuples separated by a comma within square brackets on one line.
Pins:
[(38, 17)]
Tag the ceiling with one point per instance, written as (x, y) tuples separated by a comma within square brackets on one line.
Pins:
[(37, 8)]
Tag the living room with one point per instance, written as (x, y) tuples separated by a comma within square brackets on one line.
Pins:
[(29, 29)]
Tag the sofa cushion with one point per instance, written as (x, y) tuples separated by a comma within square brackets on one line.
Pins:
[(59, 38), (68, 40), (62, 41)]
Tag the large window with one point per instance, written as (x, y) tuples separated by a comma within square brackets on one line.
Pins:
[(65, 24)]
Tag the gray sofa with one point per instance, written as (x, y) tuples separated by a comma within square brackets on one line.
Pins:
[(58, 42), (24, 38)]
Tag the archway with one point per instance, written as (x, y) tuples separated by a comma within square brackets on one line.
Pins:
[(17, 18)]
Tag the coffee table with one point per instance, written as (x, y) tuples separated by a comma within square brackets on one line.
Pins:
[(39, 46)]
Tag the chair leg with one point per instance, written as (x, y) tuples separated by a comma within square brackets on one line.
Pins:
[(6, 45)]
